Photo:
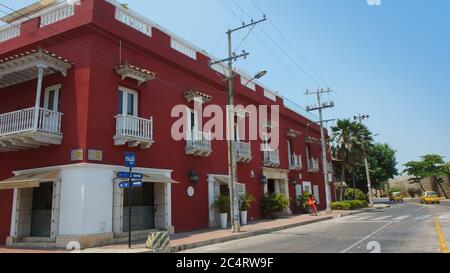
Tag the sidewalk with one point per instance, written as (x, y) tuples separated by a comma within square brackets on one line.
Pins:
[(199, 238)]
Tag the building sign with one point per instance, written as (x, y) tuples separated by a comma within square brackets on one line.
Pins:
[(95, 155), (77, 155)]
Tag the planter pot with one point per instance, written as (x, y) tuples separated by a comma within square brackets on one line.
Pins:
[(243, 218), (224, 220)]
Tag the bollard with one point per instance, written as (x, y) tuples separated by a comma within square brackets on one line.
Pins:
[(158, 241)]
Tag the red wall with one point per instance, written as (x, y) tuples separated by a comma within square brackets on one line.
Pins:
[(89, 104)]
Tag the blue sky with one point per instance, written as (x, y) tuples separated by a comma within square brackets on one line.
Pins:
[(390, 61)]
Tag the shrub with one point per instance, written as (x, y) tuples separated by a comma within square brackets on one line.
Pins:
[(419, 192), (273, 204), (222, 203), (356, 194), (302, 202), (349, 205), (246, 199)]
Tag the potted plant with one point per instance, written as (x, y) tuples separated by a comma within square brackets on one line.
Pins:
[(222, 203), (246, 199), (274, 204)]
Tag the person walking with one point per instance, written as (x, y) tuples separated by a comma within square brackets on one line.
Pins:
[(312, 205)]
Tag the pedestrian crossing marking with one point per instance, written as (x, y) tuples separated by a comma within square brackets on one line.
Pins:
[(422, 217), (400, 218), (381, 218)]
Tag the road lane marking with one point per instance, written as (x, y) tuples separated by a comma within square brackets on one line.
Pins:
[(363, 218), (381, 218), (441, 238), (366, 237), (422, 217), (400, 218)]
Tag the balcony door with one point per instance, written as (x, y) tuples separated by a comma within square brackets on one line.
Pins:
[(127, 102), (128, 109), (48, 118)]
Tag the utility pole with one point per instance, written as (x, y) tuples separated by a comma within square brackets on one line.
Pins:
[(320, 107), (360, 118), (232, 161)]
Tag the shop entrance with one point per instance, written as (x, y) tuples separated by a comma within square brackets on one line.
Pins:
[(143, 208), (41, 211)]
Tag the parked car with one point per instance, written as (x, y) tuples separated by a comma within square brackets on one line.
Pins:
[(396, 197), (430, 197)]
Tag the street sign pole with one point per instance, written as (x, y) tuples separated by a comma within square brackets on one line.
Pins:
[(130, 192)]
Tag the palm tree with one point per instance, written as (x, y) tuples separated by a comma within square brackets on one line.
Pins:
[(350, 144)]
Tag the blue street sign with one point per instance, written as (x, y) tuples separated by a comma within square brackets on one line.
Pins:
[(137, 176), (124, 185), (137, 184), (130, 159), (123, 175), (126, 175)]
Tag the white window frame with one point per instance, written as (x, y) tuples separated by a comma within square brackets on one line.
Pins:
[(307, 184), (125, 91), (57, 89), (316, 193)]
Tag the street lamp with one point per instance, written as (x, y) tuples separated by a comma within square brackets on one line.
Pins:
[(258, 75)]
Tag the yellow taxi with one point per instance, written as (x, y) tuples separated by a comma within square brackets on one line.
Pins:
[(396, 197), (430, 197)]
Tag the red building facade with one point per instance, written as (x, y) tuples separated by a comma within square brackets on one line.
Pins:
[(110, 81)]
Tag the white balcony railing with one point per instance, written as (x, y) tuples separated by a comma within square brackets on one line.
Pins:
[(198, 143), (133, 130), (271, 158), (21, 130), (9, 32), (182, 48), (23, 121), (57, 15), (243, 151), (313, 165), (133, 20), (295, 162)]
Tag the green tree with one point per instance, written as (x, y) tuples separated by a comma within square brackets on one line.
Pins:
[(432, 166), (382, 167), (350, 144)]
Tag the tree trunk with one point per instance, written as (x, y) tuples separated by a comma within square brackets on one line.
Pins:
[(423, 189), (354, 184), (341, 193), (440, 186)]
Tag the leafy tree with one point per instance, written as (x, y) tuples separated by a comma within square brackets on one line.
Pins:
[(382, 167), (432, 166), (350, 144)]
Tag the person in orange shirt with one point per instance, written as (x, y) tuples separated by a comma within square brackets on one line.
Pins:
[(312, 205)]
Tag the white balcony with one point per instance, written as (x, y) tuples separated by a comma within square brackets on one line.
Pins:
[(313, 165), (271, 158), (134, 131), (198, 143), (295, 162), (243, 151), (23, 130)]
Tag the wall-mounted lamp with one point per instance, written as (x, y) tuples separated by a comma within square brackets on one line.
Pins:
[(263, 179), (293, 182), (193, 176)]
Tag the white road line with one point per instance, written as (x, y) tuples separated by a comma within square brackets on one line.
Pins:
[(400, 218), (366, 238), (380, 218), (363, 217), (422, 217)]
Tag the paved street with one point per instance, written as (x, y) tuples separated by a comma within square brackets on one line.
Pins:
[(402, 228)]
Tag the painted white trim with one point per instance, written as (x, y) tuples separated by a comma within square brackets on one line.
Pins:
[(13, 228), (90, 165)]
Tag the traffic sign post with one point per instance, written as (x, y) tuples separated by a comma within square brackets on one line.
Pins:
[(130, 162)]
